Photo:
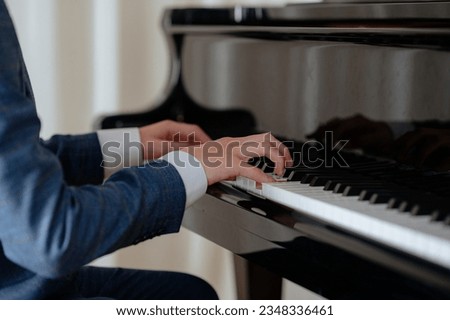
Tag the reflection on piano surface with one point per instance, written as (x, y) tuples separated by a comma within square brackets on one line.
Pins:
[(379, 228)]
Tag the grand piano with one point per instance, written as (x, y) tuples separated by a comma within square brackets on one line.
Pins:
[(374, 228)]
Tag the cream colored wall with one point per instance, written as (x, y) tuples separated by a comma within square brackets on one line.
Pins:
[(91, 57)]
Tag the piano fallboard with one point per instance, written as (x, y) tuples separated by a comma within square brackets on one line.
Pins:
[(324, 258)]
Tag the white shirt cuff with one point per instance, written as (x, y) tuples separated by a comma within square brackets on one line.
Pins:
[(191, 172), (121, 148)]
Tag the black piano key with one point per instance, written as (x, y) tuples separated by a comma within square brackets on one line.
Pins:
[(377, 173), (442, 211), (354, 188), (367, 164), (321, 181), (348, 190), (418, 203), (380, 197), (287, 173), (379, 192), (268, 167), (387, 196), (442, 189), (386, 191), (366, 194), (422, 209), (374, 169), (330, 185), (384, 173), (433, 206), (399, 174), (395, 202), (260, 161), (254, 161), (405, 206), (377, 181), (298, 174), (308, 178), (263, 163), (340, 187), (432, 180), (421, 179), (438, 215), (447, 220)]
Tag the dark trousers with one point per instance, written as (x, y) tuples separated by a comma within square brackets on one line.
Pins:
[(129, 284)]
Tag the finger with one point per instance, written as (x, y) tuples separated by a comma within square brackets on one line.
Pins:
[(254, 173), (189, 132), (176, 145), (270, 147), (289, 162), (283, 154), (285, 157)]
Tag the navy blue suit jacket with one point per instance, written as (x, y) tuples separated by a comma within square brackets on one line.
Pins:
[(55, 213)]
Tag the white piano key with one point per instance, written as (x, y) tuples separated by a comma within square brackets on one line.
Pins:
[(416, 235)]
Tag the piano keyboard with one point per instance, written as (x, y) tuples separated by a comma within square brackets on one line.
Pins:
[(378, 199)]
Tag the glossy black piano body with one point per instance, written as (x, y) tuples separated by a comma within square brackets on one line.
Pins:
[(286, 70)]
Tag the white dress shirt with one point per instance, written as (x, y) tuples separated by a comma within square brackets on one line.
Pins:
[(189, 168)]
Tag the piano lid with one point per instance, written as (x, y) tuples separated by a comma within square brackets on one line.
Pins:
[(376, 10), (297, 66), (302, 12)]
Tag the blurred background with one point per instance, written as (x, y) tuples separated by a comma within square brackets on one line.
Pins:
[(88, 58)]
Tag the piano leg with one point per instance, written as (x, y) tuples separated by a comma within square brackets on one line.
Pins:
[(254, 282)]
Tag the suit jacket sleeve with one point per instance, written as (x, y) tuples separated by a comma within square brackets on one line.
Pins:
[(80, 157), (52, 228), (49, 226)]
